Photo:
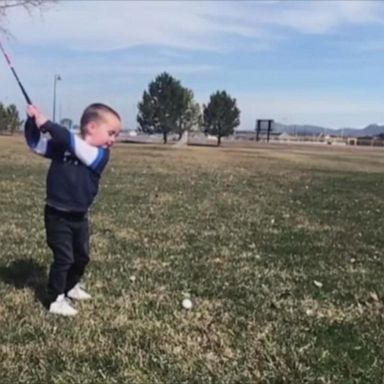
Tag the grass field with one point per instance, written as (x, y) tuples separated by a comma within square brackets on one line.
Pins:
[(280, 249)]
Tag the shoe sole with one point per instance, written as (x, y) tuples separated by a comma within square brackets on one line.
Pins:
[(63, 314)]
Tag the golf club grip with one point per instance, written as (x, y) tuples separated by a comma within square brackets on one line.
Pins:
[(21, 87)]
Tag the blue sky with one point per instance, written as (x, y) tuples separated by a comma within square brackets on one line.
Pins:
[(298, 62)]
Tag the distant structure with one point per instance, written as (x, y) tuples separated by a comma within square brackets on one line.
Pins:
[(67, 123), (263, 129)]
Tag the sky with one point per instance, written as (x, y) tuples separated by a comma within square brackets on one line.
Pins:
[(297, 62)]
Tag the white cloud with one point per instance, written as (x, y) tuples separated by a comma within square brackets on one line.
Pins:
[(101, 25), (115, 25), (325, 16)]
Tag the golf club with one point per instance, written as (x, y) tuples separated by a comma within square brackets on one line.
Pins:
[(15, 74)]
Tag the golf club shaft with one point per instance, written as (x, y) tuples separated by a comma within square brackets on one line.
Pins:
[(15, 74)]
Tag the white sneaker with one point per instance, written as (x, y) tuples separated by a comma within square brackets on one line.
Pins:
[(62, 307), (78, 293)]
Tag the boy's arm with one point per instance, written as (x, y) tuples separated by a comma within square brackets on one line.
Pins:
[(39, 144), (61, 140), (93, 157)]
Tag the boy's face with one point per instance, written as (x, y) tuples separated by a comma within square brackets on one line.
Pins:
[(103, 132)]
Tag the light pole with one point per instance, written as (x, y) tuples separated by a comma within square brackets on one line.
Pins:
[(56, 78)]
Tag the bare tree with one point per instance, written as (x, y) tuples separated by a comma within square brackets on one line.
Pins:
[(29, 5)]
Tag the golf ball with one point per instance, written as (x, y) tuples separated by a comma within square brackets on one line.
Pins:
[(187, 304)]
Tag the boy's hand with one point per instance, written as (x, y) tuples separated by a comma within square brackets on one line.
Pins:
[(39, 117)]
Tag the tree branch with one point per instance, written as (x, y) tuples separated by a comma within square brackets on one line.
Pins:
[(28, 5), (6, 4)]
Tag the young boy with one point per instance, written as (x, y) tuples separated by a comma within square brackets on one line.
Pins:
[(72, 184)]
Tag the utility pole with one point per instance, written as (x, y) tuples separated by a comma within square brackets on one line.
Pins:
[(56, 78)]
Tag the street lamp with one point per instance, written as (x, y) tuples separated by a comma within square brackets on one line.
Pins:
[(56, 78)]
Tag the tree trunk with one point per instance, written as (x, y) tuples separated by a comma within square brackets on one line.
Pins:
[(165, 137), (218, 140)]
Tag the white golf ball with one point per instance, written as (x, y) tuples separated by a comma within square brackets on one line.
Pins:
[(187, 304)]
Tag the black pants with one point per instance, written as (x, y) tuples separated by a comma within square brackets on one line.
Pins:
[(68, 237)]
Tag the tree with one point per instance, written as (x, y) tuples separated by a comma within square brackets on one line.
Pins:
[(221, 115), (2, 118), (13, 118), (164, 106), (9, 119), (191, 117), (6, 5)]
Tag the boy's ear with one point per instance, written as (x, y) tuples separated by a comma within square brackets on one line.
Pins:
[(91, 126)]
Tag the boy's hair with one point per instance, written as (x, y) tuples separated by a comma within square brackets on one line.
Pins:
[(93, 113)]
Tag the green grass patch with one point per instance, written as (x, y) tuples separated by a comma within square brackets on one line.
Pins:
[(280, 250)]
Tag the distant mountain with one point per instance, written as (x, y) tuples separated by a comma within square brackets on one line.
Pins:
[(369, 130), (313, 130)]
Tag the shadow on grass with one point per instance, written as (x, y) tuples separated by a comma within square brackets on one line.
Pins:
[(203, 145), (26, 273)]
